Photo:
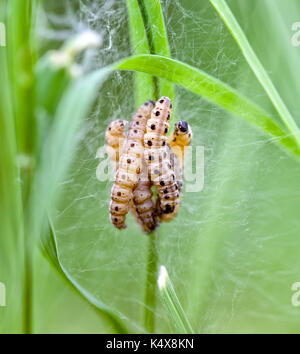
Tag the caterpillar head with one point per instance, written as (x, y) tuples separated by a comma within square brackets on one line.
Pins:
[(184, 131), (117, 127), (150, 102)]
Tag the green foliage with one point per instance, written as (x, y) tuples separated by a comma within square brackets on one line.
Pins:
[(11, 228), (256, 66), (229, 246), (214, 90), (49, 246)]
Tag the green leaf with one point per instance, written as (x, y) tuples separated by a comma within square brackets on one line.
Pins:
[(50, 249), (256, 66), (214, 91)]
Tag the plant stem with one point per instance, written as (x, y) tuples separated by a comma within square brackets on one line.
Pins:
[(146, 87), (156, 31), (28, 292), (27, 177), (22, 59), (144, 83), (150, 296)]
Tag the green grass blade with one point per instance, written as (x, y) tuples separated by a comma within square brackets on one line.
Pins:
[(158, 38), (170, 299), (159, 45), (151, 278), (21, 58), (11, 215), (256, 66), (50, 250), (155, 24), (144, 84), (214, 91)]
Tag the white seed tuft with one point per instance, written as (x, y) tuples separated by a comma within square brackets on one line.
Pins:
[(85, 40), (162, 278)]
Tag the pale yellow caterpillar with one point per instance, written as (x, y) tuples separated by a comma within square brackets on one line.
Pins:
[(130, 167), (142, 205), (158, 157), (180, 139), (114, 137)]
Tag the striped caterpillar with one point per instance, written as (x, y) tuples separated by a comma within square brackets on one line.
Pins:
[(161, 161), (179, 139), (127, 185)]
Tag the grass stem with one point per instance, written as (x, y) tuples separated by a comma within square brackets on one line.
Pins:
[(156, 31), (28, 292), (146, 87), (150, 296)]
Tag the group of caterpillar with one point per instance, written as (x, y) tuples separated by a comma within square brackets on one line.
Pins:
[(143, 158)]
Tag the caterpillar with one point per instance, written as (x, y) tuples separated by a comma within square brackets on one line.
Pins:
[(130, 170), (158, 157), (114, 137), (179, 139), (142, 206)]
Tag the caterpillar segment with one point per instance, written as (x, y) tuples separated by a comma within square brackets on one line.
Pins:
[(130, 166), (171, 191), (158, 157), (143, 207), (114, 137), (180, 139)]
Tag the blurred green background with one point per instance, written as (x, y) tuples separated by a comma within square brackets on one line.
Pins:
[(233, 249)]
